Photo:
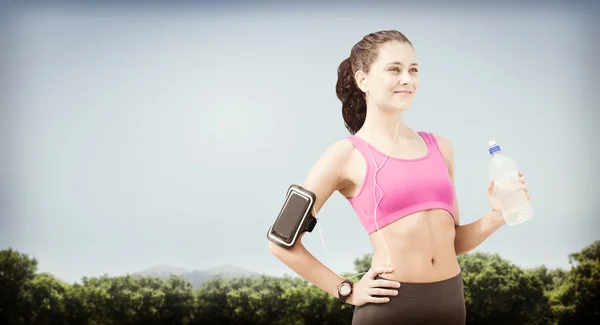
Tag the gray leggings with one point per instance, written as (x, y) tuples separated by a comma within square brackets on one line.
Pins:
[(440, 302)]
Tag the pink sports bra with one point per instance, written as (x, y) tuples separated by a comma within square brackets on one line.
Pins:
[(408, 185)]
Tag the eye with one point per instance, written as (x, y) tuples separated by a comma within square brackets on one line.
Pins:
[(414, 70), (395, 69)]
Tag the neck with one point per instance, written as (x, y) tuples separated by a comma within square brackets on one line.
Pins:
[(384, 126)]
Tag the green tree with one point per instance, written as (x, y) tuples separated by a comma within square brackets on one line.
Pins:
[(16, 270), (44, 299), (498, 292), (77, 306), (362, 264), (179, 304), (577, 299), (212, 303), (251, 300), (551, 278), (137, 300), (315, 306)]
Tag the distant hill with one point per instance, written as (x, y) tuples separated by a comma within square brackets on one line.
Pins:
[(162, 271), (196, 277)]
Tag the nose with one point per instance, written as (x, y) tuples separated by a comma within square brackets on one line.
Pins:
[(405, 78)]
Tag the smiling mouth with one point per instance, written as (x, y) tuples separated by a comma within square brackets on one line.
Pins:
[(403, 92)]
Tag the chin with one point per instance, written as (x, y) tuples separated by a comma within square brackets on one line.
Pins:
[(401, 102), (400, 106)]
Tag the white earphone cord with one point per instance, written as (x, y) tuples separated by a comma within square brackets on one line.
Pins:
[(375, 186)]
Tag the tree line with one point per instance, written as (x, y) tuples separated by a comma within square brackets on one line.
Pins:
[(496, 292)]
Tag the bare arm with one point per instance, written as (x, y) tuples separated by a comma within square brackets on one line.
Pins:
[(325, 177), (469, 236)]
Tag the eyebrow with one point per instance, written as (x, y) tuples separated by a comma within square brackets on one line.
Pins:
[(399, 63)]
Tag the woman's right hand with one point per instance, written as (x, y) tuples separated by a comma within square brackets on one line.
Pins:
[(369, 286)]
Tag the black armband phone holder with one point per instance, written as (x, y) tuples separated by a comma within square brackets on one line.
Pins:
[(294, 218)]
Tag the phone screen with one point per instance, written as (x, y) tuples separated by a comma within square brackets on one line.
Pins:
[(291, 215)]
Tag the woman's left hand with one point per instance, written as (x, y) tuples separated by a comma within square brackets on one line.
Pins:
[(495, 202)]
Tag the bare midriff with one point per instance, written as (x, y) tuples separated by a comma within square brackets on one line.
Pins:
[(421, 247)]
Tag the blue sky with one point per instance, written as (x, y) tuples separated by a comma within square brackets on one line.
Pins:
[(143, 136)]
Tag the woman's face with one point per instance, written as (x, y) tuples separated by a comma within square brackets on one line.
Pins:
[(393, 78)]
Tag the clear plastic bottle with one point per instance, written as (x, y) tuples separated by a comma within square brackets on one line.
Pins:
[(503, 170)]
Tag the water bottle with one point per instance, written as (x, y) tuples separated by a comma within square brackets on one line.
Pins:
[(503, 170)]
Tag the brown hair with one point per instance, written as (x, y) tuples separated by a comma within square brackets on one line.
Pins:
[(362, 55)]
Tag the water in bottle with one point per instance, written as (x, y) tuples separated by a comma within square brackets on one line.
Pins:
[(503, 170)]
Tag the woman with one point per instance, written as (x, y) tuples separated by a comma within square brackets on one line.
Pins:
[(401, 185)]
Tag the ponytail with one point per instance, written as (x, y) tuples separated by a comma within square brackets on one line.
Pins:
[(354, 106)]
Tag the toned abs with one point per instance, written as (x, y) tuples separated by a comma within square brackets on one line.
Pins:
[(421, 245)]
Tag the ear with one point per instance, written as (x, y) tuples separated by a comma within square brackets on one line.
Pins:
[(361, 80)]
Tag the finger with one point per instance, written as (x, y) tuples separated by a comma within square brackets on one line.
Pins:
[(383, 292), (385, 284), (378, 270), (378, 300), (490, 188)]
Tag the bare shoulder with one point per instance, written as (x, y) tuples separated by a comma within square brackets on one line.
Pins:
[(332, 161), (327, 174), (338, 152)]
